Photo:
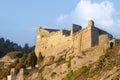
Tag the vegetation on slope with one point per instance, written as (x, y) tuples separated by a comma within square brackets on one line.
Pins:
[(73, 74), (25, 56), (27, 60), (4, 72), (9, 46), (105, 63)]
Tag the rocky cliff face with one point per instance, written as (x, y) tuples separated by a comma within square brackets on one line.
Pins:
[(76, 56), (93, 64), (106, 68)]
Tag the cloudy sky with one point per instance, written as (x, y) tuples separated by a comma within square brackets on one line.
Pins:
[(19, 19)]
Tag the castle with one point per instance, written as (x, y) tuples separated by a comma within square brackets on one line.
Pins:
[(50, 42), (65, 51)]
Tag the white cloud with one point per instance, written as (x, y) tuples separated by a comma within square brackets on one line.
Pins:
[(62, 18), (102, 14)]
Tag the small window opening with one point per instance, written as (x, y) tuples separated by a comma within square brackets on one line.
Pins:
[(111, 45)]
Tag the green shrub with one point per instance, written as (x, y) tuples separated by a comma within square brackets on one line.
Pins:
[(42, 78), (73, 74), (69, 64), (84, 69)]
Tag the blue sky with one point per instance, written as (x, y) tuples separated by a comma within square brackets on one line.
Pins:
[(19, 19)]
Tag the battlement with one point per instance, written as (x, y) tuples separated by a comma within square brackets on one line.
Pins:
[(52, 41), (47, 29), (45, 32)]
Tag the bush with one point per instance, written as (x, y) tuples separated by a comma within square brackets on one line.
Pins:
[(69, 64), (42, 78), (27, 60), (72, 75), (84, 69)]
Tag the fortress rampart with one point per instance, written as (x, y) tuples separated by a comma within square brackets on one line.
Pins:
[(50, 42)]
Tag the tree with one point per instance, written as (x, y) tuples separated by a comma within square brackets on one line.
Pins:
[(26, 48), (8, 46), (22, 62), (34, 59), (30, 60), (2, 40)]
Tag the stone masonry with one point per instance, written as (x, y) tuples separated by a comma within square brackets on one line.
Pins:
[(50, 42)]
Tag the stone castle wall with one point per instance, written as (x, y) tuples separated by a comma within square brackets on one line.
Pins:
[(51, 42)]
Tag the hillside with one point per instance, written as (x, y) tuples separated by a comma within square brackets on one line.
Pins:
[(75, 54), (14, 56), (106, 68)]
